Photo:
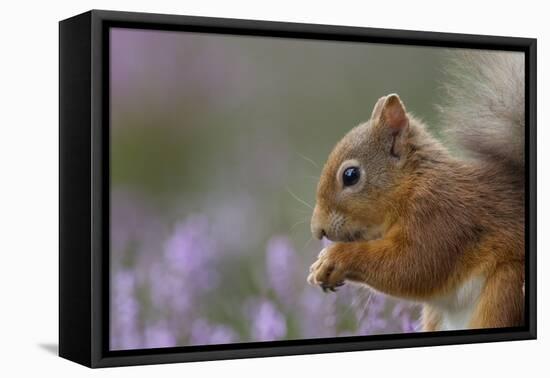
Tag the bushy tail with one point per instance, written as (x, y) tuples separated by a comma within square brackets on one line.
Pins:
[(484, 109)]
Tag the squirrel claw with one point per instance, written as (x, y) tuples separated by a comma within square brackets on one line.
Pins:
[(333, 288)]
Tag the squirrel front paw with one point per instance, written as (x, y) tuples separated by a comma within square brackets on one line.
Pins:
[(327, 271)]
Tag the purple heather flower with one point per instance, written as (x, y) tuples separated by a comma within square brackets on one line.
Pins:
[(316, 313), (222, 335), (268, 323), (169, 291), (159, 336), (281, 264), (184, 273), (190, 252), (124, 312), (205, 333)]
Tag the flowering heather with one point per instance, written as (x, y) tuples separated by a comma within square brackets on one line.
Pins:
[(203, 332), (267, 322), (174, 285), (281, 268)]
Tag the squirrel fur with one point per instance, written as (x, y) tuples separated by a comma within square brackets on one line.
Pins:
[(422, 224)]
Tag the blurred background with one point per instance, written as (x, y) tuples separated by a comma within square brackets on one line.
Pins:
[(217, 145)]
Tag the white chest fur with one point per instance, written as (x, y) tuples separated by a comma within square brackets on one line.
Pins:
[(457, 308)]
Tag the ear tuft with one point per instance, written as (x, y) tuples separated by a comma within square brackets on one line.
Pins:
[(394, 114)]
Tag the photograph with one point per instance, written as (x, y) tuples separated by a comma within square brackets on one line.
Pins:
[(262, 189), (272, 189)]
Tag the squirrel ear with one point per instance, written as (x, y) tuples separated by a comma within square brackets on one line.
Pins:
[(393, 113), (394, 117)]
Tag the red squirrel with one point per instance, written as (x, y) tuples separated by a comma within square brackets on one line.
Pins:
[(411, 220)]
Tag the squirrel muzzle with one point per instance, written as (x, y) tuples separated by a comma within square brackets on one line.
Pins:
[(318, 227)]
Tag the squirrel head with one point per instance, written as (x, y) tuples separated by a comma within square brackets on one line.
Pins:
[(354, 191)]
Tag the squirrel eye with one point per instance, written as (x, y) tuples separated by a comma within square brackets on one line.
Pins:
[(351, 176)]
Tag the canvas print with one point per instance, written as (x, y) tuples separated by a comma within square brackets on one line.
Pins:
[(266, 189)]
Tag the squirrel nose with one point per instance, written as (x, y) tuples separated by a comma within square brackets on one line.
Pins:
[(319, 233), (317, 228)]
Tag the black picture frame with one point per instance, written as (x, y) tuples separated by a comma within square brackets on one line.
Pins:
[(84, 188)]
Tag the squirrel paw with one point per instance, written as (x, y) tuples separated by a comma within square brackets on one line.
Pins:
[(326, 271)]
